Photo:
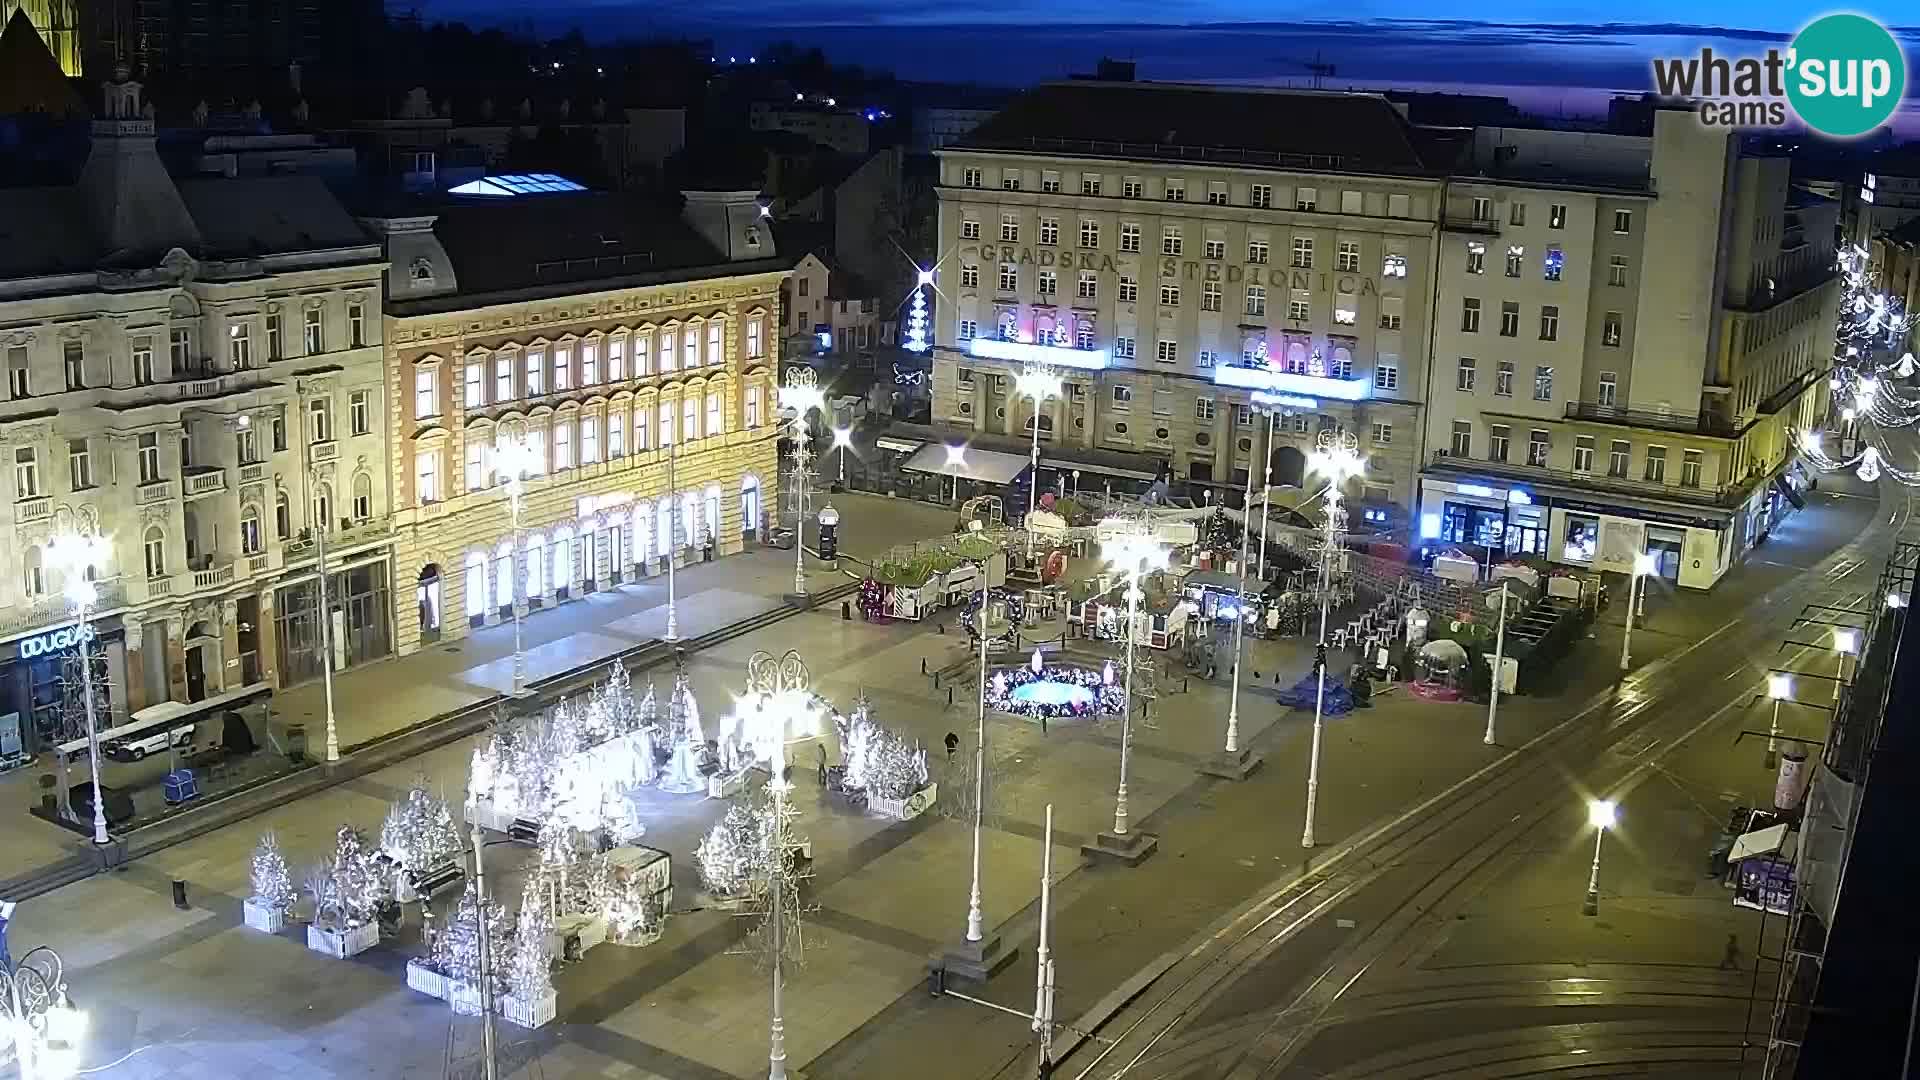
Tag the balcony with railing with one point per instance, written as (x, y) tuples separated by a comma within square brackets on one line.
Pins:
[(323, 451), (53, 609), (351, 534), (203, 480), (153, 491), (213, 576), (1710, 425), (30, 511), (253, 472), (1467, 223), (1716, 495)]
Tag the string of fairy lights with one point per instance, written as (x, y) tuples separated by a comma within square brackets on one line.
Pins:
[(1869, 355)]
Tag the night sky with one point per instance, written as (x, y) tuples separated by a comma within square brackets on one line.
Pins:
[(1564, 58)]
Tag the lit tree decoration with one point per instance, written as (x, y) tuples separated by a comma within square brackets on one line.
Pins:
[(358, 885), (1870, 335), (272, 881), (456, 949), (879, 761), (733, 856), (687, 741), (420, 832), (916, 336), (529, 974)]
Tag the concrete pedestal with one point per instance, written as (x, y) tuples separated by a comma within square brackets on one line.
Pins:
[(803, 601), (975, 961), (1235, 766), (1131, 849)]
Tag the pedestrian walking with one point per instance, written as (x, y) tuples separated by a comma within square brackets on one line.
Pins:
[(1730, 959), (953, 745), (1043, 724)]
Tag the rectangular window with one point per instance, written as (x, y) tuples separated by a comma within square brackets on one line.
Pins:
[(180, 350), (1470, 315), (1583, 453), (315, 331), (1243, 416), (426, 474), (1215, 249), (1476, 257), (1089, 184), (1391, 308), (1303, 252), (1382, 434), (970, 178), (1166, 352), (1170, 296), (1299, 305), (357, 325), (1050, 231), (1552, 264), (1509, 319), (1083, 336), (149, 458), (590, 361), (689, 418), (1123, 348), (1170, 240), (320, 420), (753, 407), (1216, 194), (1617, 271), (562, 445), (1176, 191), (1347, 259), (142, 361), (1129, 236), (1352, 202), (1657, 464), (1539, 445), (1386, 375), (1122, 396), (476, 465), (475, 379), (1050, 182), (1543, 382), (690, 348), (1203, 409), (1609, 385), (1462, 439), (968, 328), (1346, 308), (1499, 436), (1557, 216), (1482, 209), (1517, 213), (1009, 278), (716, 419), (239, 346), (1256, 300), (80, 464), (26, 473), (1129, 289), (1610, 330), (536, 373), (969, 230), (502, 378), (426, 399), (1503, 379), (1133, 188), (1464, 375), (1089, 234), (1009, 229), (1210, 296), (1393, 265), (1690, 467), (74, 364), (1623, 221), (1049, 285), (1617, 455), (642, 355), (641, 414), (276, 337), (756, 338), (617, 354), (1305, 198), (1516, 257), (1257, 250), (1009, 180), (19, 374), (1088, 287), (1550, 323), (669, 357), (360, 412), (616, 435), (589, 440), (1260, 195)]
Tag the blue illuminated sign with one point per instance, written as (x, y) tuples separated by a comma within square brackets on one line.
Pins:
[(54, 640)]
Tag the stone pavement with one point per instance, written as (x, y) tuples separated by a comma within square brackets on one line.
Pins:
[(193, 994)]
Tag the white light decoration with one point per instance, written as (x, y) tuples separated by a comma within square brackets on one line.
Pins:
[(1337, 458), (916, 336), (1023, 352), (575, 765)]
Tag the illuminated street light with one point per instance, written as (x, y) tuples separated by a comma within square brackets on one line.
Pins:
[(78, 557), (842, 438), (1337, 458), (1136, 552), (801, 392), (46, 1028), (513, 460), (1779, 688), (1038, 382), (956, 461), (1601, 814), (1643, 565), (1846, 644)]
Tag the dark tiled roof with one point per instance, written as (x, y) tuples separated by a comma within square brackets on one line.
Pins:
[(45, 231), (1227, 125), (30, 78), (1906, 235), (549, 240), (273, 215)]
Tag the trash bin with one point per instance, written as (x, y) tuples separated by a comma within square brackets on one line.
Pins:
[(296, 743)]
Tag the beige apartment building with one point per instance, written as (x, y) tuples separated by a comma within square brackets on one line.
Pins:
[(633, 348)]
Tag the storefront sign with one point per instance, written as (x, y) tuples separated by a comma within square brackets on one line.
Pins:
[(54, 640), (1179, 269)]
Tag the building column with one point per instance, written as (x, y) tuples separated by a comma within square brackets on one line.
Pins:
[(267, 633), (228, 677), (176, 659), (135, 691)]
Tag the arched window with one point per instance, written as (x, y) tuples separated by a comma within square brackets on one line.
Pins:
[(250, 539), (282, 515), (1296, 358), (421, 271), (322, 505), (476, 584), (156, 552), (503, 575), (562, 568), (363, 497), (34, 573), (665, 540), (642, 531), (536, 581)]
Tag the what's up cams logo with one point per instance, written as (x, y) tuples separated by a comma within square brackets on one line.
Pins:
[(1843, 75)]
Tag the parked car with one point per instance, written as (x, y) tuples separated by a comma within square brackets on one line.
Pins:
[(135, 747)]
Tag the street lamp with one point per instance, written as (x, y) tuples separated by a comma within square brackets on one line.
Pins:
[(1601, 814), (1643, 564), (976, 928), (1337, 458), (318, 427), (801, 393), (513, 459), (77, 557), (956, 461), (842, 438), (1499, 664), (1846, 643), (778, 707), (1232, 763), (46, 1028), (1135, 551), (1038, 382), (1779, 688)]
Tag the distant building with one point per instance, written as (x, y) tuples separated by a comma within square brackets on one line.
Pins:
[(831, 312), (858, 203), (842, 130), (1896, 265), (57, 22), (193, 373), (1885, 195), (938, 126), (430, 144), (202, 41)]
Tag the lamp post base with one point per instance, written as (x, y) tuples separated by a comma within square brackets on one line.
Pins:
[(1591, 905), (801, 600), (1131, 849), (1232, 764), (975, 961)]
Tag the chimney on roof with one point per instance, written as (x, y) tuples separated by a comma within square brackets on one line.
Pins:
[(735, 222)]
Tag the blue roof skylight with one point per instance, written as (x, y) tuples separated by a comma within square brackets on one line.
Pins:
[(511, 184)]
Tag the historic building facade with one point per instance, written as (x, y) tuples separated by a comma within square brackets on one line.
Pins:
[(646, 398), (1274, 253), (194, 374), (1626, 331)]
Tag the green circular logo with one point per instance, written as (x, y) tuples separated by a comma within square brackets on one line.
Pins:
[(1845, 75)]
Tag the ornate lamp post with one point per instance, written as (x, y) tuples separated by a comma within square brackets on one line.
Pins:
[(1337, 458), (842, 438), (1136, 551), (777, 707), (673, 539), (46, 1028), (801, 393), (1232, 763), (1601, 814), (1643, 564), (77, 557), (1038, 382), (513, 459)]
